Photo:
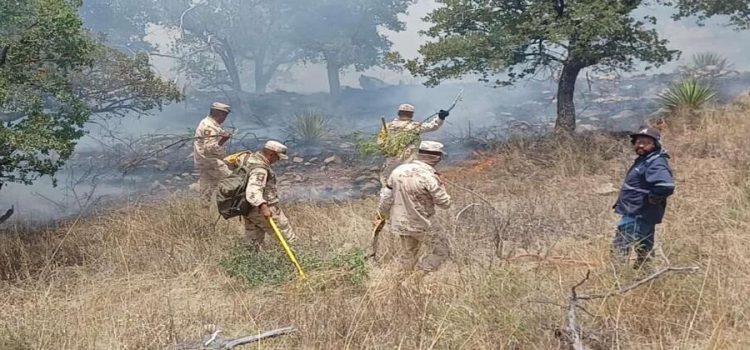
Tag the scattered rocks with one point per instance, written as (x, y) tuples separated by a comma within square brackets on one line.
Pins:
[(162, 165), (194, 187), (157, 186), (331, 159), (298, 160), (371, 187), (587, 127), (361, 179), (626, 114)]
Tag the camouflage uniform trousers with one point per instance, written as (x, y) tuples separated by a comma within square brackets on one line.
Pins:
[(409, 254), (210, 175), (256, 226)]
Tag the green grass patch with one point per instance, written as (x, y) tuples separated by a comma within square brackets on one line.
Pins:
[(272, 267)]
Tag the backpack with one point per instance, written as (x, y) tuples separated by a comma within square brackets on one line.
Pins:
[(230, 194)]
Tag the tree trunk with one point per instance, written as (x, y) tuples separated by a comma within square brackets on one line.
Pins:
[(334, 68), (230, 63), (234, 75), (3, 55), (261, 81), (261, 77), (566, 109)]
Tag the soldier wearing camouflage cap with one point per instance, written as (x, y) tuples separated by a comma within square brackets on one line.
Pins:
[(209, 150), (262, 194), (404, 129), (408, 202)]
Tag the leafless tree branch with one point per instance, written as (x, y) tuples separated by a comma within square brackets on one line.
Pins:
[(574, 331), (216, 342)]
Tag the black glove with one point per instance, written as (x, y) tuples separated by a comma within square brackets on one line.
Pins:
[(442, 114)]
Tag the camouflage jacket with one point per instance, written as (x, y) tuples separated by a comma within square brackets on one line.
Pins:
[(399, 125), (206, 148), (261, 182), (409, 200)]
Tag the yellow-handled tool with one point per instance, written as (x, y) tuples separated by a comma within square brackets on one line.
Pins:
[(287, 249)]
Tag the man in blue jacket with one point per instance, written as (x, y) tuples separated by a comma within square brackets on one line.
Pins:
[(643, 197)]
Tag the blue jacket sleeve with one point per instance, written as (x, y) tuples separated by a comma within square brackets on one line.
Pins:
[(660, 180)]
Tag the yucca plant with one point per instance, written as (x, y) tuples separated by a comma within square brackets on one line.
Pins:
[(710, 60), (688, 94), (309, 128), (707, 66)]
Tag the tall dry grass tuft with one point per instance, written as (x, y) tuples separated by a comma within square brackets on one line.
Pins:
[(157, 275)]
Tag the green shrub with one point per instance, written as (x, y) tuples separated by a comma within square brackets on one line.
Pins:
[(272, 267), (309, 129), (365, 145), (687, 94), (707, 67), (711, 60)]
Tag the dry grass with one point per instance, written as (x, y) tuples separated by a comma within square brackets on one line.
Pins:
[(148, 276)]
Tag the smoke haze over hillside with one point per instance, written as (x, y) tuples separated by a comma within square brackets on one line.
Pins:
[(482, 106)]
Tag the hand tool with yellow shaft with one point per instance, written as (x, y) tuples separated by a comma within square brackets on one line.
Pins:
[(375, 235), (287, 249)]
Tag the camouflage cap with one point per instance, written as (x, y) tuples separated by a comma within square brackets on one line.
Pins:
[(220, 107), (431, 147), (277, 147), (406, 108)]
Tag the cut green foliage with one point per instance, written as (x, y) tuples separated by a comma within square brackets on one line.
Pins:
[(687, 94), (396, 144)]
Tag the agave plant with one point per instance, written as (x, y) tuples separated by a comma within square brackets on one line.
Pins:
[(708, 66), (710, 59), (309, 128), (687, 94)]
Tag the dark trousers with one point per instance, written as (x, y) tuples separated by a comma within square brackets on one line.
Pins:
[(638, 235)]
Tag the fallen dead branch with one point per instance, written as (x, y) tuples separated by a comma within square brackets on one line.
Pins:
[(574, 331), (557, 260), (216, 342), (479, 196)]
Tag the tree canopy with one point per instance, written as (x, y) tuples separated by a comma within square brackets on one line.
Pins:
[(219, 44), (504, 41), (737, 10), (219, 40), (345, 33), (53, 76)]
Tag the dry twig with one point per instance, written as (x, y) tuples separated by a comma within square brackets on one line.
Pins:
[(574, 331), (216, 342)]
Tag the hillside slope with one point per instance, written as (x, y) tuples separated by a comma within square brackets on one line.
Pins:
[(156, 275)]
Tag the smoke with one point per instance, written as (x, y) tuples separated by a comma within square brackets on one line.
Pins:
[(482, 108)]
